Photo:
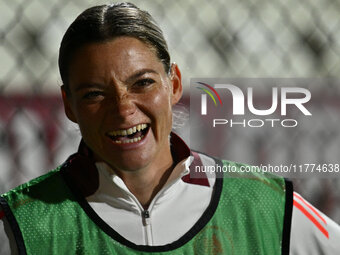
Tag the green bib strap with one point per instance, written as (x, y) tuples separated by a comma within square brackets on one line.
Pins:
[(14, 226)]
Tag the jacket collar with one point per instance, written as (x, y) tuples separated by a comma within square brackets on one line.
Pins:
[(180, 151), (80, 167)]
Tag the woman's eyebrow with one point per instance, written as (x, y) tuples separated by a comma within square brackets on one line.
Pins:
[(82, 86), (140, 73), (131, 78)]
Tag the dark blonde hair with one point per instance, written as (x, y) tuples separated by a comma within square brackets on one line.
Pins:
[(106, 22)]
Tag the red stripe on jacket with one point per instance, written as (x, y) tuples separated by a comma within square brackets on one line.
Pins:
[(310, 207), (311, 218)]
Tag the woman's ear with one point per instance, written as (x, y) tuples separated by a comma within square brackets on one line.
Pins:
[(176, 80), (67, 104)]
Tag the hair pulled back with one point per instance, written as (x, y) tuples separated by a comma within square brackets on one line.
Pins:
[(106, 22)]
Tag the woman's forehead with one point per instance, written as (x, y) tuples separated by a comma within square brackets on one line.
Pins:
[(119, 57), (120, 46)]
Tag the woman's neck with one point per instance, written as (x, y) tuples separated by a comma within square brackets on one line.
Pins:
[(145, 183)]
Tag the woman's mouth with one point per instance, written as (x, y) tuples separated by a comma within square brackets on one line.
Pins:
[(130, 135)]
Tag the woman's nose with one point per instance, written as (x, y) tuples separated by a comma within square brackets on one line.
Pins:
[(124, 105)]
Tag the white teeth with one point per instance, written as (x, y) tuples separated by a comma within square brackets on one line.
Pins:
[(128, 131), (134, 140)]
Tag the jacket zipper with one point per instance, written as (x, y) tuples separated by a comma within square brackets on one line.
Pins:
[(147, 224), (145, 215), (145, 218)]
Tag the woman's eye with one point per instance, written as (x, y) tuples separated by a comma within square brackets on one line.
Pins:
[(144, 82), (92, 94)]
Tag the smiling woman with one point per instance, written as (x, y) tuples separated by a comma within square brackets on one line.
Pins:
[(129, 88), (114, 88), (132, 186)]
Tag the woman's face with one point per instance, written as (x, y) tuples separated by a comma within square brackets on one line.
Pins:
[(121, 97)]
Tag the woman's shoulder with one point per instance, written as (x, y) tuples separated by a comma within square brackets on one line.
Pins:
[(43, 180)]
